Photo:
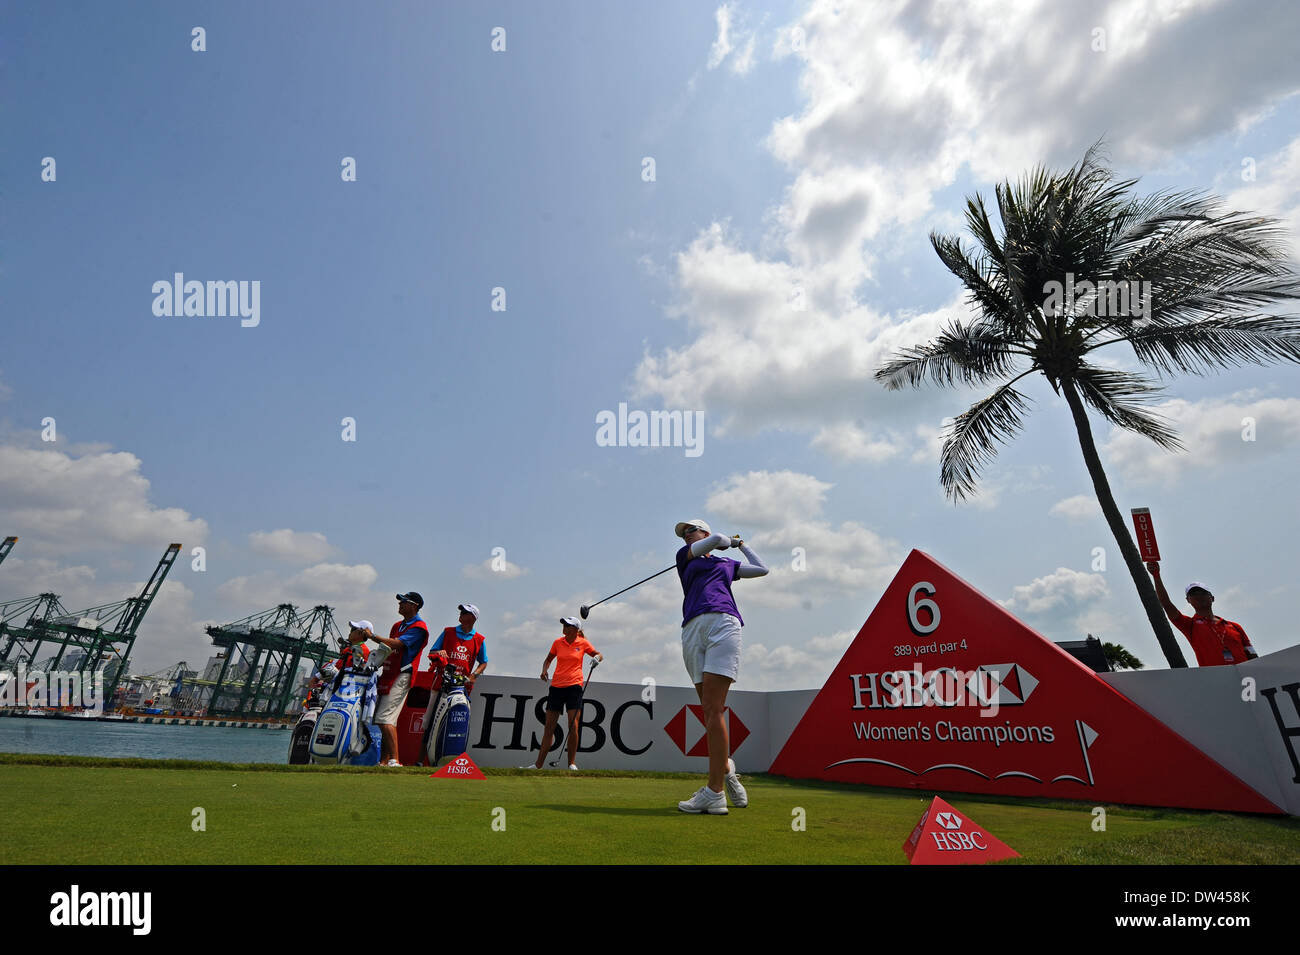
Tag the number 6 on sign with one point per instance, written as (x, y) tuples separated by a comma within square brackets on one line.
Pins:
[(913, 605)]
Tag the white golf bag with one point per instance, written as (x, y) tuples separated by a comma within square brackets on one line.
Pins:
[(344, 732)]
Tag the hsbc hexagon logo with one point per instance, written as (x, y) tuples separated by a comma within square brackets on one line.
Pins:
[(992, 685), (687, 730), (948, 820), (1004, 684)]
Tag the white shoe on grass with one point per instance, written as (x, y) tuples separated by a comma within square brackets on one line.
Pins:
[(706, 800), (574, 767), (735, 792)]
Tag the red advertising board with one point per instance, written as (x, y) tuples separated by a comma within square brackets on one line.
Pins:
[(942, 689), (1146, 534)]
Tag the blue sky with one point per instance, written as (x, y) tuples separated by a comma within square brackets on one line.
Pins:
[(796, 146)]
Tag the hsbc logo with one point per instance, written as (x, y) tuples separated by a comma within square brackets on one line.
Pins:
[(948, 820), (988, 687), (958, 841), (687, 730)]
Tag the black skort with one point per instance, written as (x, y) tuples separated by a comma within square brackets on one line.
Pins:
[(564, 697)]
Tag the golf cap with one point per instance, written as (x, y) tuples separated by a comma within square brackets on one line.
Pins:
[(685, 526), (468, 608), (1196, 585), (571, 622), (361, 625), (413, 597)]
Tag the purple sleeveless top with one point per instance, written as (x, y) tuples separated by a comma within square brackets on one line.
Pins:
[(706, 584)]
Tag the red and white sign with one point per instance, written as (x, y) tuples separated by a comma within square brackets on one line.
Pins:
[(678, 727), (944, 836), (1146, 535), (943, 689), (462, 767)]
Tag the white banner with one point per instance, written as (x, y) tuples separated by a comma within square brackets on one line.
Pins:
[(1245, 716), (628, 725)]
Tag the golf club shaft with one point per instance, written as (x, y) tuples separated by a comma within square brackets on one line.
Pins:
[(626, 589)]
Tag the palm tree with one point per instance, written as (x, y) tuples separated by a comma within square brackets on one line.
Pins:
[(1051, 290), (1119, 658)]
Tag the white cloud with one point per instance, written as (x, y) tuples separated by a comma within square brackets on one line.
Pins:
[(169, 630), (1081, 507), (59, 501), (769, 498), (847, 441), (785, 666), (303, 547), (1061, 589), (731, 38), (900, 100), (809, 559), (494, 568), (1275, 190), (774, 346), (722, 45), (343, 586), (640, 631), (1212, 431)]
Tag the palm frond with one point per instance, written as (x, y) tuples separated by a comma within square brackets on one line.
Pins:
[(1120, 398), (966, 354), (1224, 341), (977, 276), (971, 441)]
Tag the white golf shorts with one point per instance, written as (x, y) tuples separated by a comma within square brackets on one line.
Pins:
[(390, 704), (711, 644)]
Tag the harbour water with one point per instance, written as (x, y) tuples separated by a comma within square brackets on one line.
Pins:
[(142, 741)]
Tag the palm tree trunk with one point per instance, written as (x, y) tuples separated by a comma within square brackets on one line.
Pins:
[(1141, 579)]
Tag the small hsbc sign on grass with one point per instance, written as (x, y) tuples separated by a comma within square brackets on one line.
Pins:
[(943, 836), (462, 767)]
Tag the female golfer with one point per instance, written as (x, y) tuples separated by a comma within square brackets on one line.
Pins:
[(566, 688), (711, 648)]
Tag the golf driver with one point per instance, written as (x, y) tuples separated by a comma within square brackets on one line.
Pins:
[(562, 751), (584, 610)]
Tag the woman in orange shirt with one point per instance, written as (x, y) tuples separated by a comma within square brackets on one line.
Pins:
[(566, 687)]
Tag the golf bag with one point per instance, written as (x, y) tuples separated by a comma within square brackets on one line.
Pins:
[(446, 722), (300, 737), (343, 732)]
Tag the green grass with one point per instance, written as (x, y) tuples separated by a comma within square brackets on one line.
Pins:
[(82, 810)]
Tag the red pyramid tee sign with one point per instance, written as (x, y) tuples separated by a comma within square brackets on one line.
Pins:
[(943, 689), (462, 767), (944, 836)]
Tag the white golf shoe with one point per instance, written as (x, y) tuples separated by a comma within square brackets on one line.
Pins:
[(735, 792), (706, 800)]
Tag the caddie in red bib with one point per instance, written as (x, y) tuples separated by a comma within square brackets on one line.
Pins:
[(405, 642), (462, 646)]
